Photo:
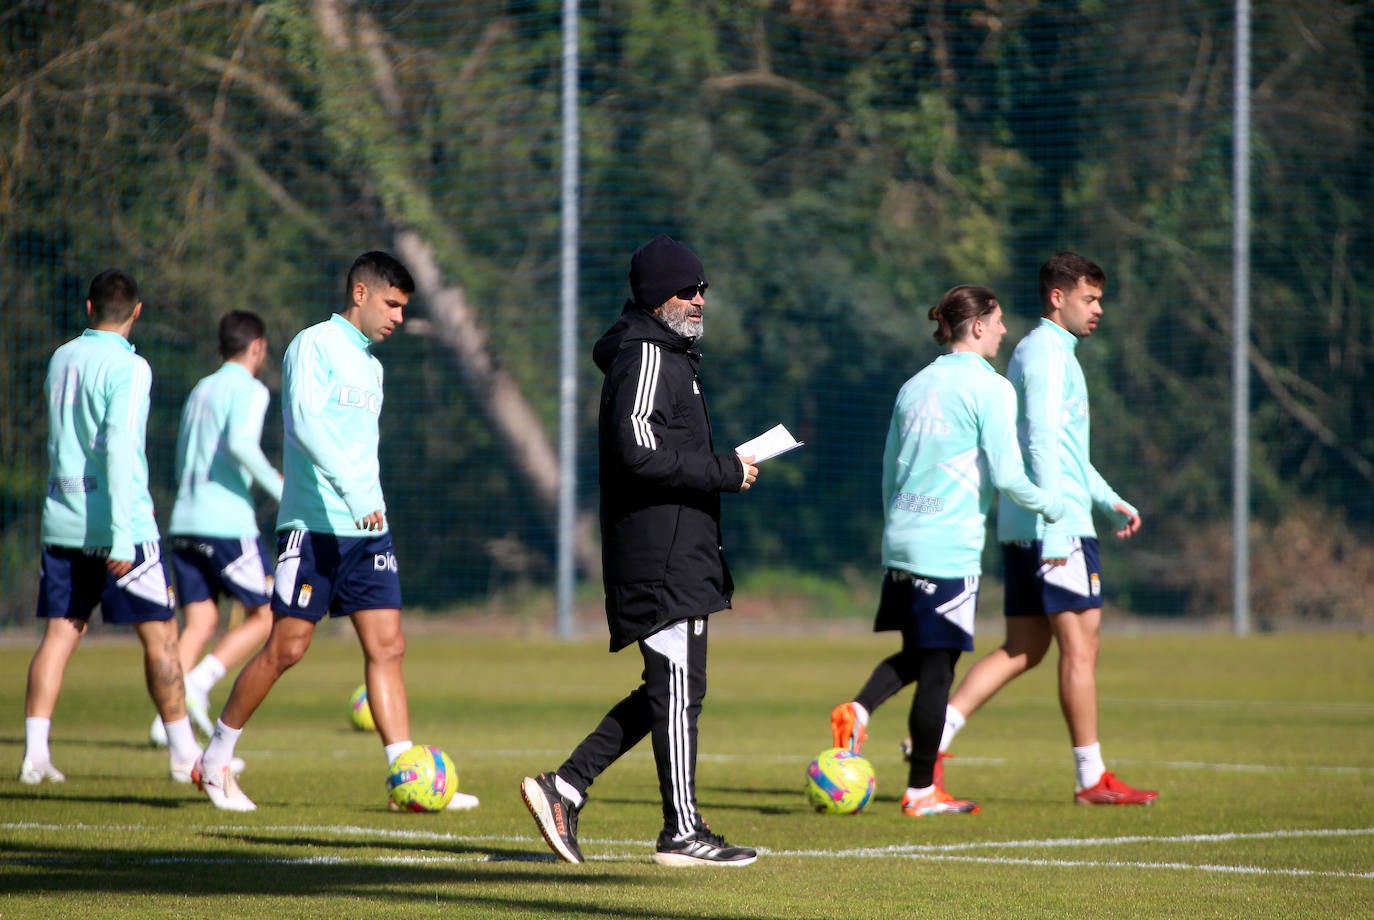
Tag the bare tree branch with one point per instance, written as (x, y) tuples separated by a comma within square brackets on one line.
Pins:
[(249, 165), (1270, 375), (133, 19), (455, 322)]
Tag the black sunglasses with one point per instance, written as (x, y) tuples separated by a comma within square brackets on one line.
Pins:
[(688, 293)]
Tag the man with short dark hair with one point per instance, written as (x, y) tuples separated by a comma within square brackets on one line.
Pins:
[(100, 539), (216, 548), (1053, 577), (335, 555), (663, 567)]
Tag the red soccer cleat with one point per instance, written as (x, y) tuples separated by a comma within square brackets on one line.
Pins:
[(940, 759), (1112, 791)]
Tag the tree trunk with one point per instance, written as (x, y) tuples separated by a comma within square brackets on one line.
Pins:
[(453, 320)]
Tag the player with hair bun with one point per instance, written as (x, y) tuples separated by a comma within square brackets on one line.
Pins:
[(1053, 575), (950, 446)]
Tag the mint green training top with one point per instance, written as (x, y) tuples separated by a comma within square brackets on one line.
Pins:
[(1053, 430), (219, 456), (331, 403), (951, 443), (97, 390)]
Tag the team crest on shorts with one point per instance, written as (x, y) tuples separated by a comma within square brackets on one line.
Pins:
[(303, 599), (1095, 583)]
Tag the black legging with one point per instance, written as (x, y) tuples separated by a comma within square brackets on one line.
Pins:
[(932, 670)]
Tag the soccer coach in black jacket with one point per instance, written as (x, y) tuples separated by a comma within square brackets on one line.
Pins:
[(662, 562)]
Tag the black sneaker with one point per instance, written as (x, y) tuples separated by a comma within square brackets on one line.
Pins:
[(555, 814), (701, 849)]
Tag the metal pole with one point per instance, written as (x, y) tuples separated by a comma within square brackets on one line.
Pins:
[(567, 387), (1240, 338)]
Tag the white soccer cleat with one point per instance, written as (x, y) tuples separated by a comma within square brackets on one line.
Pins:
[(157, 733), (198, 708), (31, 774), (186, 773), (462, 801), (222, 788)]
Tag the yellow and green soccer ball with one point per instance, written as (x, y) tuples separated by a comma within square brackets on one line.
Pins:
[(359, 713), (839, 782), (422, 779)]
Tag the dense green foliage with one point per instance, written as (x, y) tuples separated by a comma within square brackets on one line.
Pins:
[(1244, 827), (837, 165)]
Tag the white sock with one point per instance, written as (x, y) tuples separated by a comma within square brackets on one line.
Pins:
[(205, 675), (220, 750), (566, 790), (36, 740), (393, 751), (181, 742), (912, 793), (1088, 761), (861, 712), (954, 720)]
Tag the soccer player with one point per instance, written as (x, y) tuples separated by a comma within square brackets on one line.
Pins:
[(335, 555), (951, 443), (1053, 579), (100, 539), (663, 567), (216, 547)]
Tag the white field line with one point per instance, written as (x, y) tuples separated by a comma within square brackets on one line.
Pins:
[(704, 757), (643, 855), (1115, 864), (957, 852)]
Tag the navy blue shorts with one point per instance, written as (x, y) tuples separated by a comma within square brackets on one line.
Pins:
[(207, 568), (72, 581), (1037, 589), (319, 574), (936, 612)]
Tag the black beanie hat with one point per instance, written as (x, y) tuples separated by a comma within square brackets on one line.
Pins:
[(659, 269)]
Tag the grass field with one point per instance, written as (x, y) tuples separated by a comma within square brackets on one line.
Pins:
[(1262, 749)]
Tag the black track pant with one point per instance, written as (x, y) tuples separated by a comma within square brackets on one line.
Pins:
[(932, 670), (666, 705)]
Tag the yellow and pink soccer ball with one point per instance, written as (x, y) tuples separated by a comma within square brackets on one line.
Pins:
[(422, 779), (839, 782)]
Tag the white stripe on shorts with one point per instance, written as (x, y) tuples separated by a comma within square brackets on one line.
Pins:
[(148, 580), (288, 566), (246, 571), (1072, 576)]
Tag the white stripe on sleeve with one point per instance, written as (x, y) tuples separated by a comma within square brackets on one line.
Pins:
[(645, 391)]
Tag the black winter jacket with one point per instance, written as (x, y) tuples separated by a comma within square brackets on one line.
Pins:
[(661, 480)]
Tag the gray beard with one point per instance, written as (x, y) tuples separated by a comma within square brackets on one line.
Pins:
[(684, 327)]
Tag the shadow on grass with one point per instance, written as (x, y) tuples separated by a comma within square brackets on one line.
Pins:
[(795, 796), (131, 744), (316, 844), (33, 871), (56, 792)]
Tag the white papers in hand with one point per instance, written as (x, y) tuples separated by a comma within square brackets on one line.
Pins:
[(774, 441)]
